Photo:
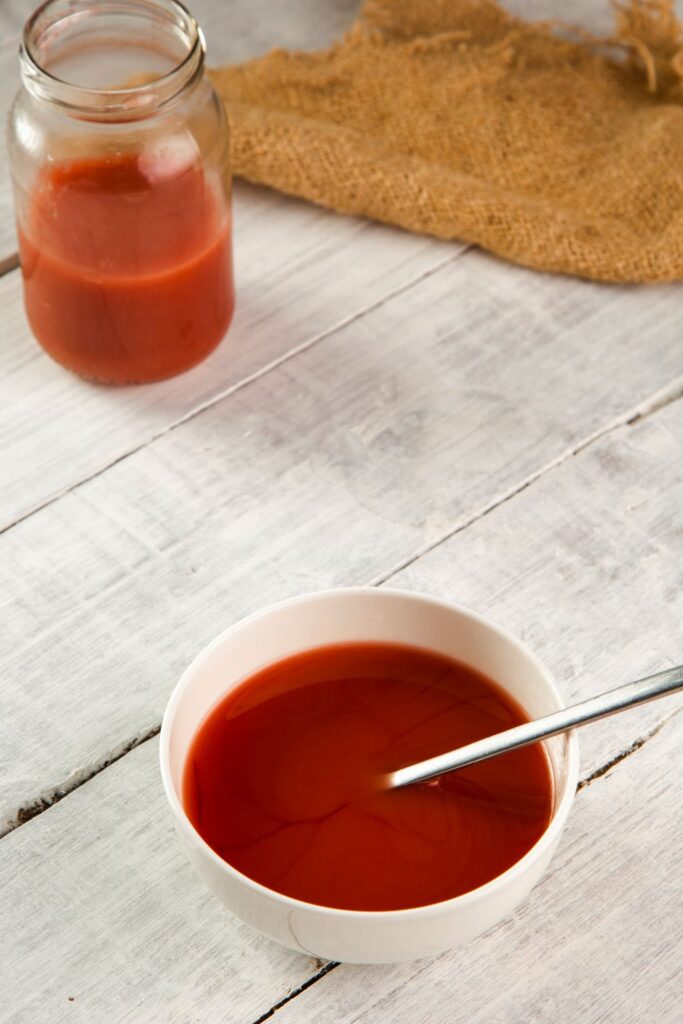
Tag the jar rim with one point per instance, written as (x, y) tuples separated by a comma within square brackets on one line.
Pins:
[(125, 103)]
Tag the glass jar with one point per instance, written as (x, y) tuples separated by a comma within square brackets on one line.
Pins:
[(120, 164)]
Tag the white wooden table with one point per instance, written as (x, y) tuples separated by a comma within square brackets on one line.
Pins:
[(387, 408)]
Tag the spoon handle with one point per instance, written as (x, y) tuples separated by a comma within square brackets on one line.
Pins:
[(605, 704)]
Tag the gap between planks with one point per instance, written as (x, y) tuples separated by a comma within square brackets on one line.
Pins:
[(663, 398), (331, 965), (583, 783), (658, 401), (29, 811), (667, 396), (304, 346), (632, 748), (9, 263)]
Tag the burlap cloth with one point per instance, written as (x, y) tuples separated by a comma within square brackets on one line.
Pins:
[(453, 118)]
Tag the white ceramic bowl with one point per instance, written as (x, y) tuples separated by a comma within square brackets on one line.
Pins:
[(351, 615)]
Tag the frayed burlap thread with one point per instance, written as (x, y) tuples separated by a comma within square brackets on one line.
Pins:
[(452, 118)]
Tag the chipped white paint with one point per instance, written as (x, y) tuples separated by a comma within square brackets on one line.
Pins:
[(599, 941), (113, 918), (99, 879), (307, 453), (584, 566), (300, 274), (125, 928), (334, 468)]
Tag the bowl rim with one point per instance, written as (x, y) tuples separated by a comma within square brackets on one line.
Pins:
[(544, 843)]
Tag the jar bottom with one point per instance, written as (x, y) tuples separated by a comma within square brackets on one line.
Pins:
[(120, 377), (129, 329)]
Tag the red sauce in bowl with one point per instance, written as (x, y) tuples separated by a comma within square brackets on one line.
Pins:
[(282, 779), (127, 266)]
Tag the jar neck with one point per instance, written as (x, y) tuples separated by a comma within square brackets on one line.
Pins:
[(153, 49)]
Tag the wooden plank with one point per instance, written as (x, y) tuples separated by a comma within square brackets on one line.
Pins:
[(300, 273), (306, 23), (101, 908), (123, 927), (589, 15), (330, 470), (234, 31), (13, 14), (296, 280), (598, 941), (237, 30), (584, 567), (99, 879)]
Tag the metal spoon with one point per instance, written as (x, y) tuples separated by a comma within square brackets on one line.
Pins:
[(639, 692)]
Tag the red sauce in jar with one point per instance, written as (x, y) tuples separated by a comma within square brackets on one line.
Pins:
[(282, 779), (127, 266)]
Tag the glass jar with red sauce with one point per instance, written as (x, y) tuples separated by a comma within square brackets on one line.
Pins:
[(120, 162)]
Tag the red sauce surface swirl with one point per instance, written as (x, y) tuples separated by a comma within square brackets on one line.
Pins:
[(282, 779)]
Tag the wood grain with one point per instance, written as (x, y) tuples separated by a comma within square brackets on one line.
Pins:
[(332, 469), (611, 901), (598, 941), (584, 567), (300, 274), (102, 909), (13, 14), (592, 15), (296, 276), (387, 409), (101, 906)]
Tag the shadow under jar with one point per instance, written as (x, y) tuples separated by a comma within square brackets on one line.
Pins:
[(119, 153)]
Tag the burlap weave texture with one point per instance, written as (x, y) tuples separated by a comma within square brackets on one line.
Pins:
[(455, 119)]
